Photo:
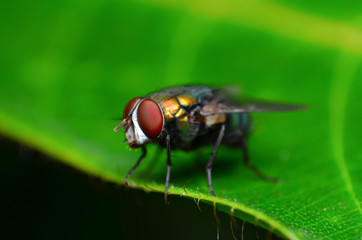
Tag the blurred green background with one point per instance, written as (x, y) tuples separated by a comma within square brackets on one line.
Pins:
[(67, 68)]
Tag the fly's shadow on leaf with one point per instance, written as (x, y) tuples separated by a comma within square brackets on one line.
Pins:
[(154, 168)]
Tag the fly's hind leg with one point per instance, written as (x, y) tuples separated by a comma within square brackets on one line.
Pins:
[(251, 165), (144, 152), (211, 160)]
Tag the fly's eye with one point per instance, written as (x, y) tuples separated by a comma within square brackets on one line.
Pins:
[(150, 118), (129, 106)]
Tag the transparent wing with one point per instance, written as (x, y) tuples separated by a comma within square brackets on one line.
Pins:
[(247, 106)]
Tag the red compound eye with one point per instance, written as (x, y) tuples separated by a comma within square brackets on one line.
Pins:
[(129, 106), (150, 118)]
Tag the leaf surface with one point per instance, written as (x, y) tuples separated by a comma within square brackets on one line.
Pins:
[(68, 68)]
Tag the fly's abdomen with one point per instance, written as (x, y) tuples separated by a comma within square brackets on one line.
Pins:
[(238, 125)]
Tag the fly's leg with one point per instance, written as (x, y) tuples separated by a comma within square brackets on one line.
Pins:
[(211, 160), (249, 164), (168, 166), (144, 152)]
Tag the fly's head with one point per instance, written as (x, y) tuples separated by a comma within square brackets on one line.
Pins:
[(143, 121)]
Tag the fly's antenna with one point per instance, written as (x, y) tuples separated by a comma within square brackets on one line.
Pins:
[(120, 125)]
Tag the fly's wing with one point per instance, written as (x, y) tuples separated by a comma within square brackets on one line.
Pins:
[(246, 106)]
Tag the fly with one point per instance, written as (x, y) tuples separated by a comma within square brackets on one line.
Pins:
[(190, 117)]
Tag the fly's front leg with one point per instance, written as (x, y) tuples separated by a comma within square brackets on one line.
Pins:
[(168, 166), (251, 165), (209, 164), (144, 152)]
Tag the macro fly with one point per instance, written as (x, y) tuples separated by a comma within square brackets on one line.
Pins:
[(190, 117)]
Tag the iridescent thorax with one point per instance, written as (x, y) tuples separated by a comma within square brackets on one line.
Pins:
[(174, 107)]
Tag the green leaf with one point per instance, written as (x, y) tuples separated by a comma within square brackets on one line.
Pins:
[(68, 68)]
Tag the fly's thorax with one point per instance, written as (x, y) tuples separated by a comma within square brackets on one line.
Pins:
[(177, 110), (175, 107)]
